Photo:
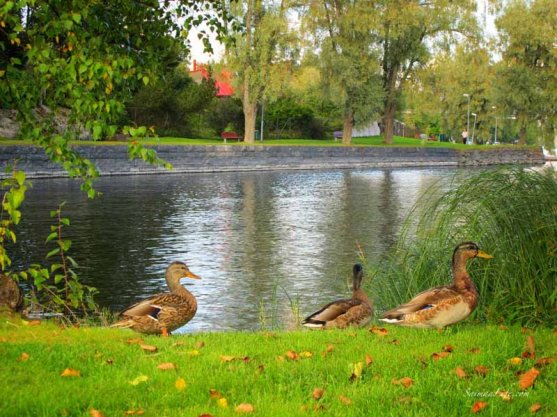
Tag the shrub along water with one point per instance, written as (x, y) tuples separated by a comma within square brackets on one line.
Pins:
[(512, 214)]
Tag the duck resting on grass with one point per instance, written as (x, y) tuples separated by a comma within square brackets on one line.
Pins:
[(163, 313), (442, 306), (355, 311), (10, 293)]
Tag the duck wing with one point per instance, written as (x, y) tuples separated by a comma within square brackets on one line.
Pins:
[(153, 305), (331, 311), (422, 301)]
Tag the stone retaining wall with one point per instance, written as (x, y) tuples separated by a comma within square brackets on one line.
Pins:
[(113, 160)]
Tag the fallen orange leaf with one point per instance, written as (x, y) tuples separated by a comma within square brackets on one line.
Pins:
[(213, 393), (527, 378), (545, 361), (531, 344), (369, 360), (166, 366), (200, 344), (292, 355), (205, 415), (448, 348), (134, 341), (379, 331), (33, 323), (515, 361), (180, 384), (406, 382), (70, 372), (535, 408), (317, 393), (227, 358), (481, 370), (436, 356), (345, 400), (479, 406), (149, 348), (95, 413), (461, 373), (245, 408), (503, 327), (23, 357)]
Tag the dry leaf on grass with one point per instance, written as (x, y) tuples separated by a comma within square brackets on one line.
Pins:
[(541, 362), (213, 393), (166, 366), (149, 348), (306, 354), (357, 370), (194, 352), (293, 356), (448, 348), (222, 402), (474, 350), (479, 406), (369, 359), (205, 415), (505, 395), (406, 382), (439, 355), (139, 412), (481, 370), (345, 400), (244, 408), (139, 380), (23, 357), (228, 358), (135, 341), (70, 372), (379, 331), (535, 408), (515, 361), (527, 379), (461, 373), (180, 384), (317, 393), (95, 413), (200, 344)]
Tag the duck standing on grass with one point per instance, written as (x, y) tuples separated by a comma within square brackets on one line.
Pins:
[(442, 306), (355, 311), (163, 313)]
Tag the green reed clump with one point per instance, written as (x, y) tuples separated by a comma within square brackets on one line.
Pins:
[(512, 214)]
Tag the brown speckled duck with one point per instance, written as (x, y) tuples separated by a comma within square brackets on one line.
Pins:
[(163, 313), (10, 293), (442, 306), (356, 311)]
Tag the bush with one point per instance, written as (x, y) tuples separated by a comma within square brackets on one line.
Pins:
[(512, 214)]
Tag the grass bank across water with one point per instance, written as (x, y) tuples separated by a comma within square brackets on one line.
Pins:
[(276, 373)]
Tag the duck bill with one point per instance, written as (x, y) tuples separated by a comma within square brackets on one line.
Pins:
[(192, 275), (482, 254)]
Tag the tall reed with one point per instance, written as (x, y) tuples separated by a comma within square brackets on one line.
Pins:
[(512, 214)]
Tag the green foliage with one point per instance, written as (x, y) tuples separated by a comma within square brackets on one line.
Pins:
[(10, 214), (526, 82), (171, 103), (511, 213), (56, 288)]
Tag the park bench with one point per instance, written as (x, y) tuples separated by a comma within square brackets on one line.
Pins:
[(337, 134), (230, 135)]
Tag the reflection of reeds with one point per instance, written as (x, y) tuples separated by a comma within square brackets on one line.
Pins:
[(512, 214), (271, 317)]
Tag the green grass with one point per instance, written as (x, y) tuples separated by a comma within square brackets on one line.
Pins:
[(512, 214), (367, 141), (273, 384)]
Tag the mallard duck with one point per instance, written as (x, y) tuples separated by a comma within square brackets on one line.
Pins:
[(10, 293), (442, 306), (163, 313), (355, 311)]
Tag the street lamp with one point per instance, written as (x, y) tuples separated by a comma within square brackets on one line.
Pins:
[(474, 127), (468, 114), (499, 117)]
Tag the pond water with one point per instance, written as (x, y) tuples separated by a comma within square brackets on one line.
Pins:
[(261, 241)]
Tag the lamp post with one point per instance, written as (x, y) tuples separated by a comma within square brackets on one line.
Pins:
[(468, 114), (499, 117), (474, 126)]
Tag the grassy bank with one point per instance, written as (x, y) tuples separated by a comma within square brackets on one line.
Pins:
[(366, 141), (360, 372)]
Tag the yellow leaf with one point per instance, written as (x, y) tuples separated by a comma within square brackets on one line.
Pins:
[(245, 408), (166, 366), (194, 352), (70, 372), (306, 354), (505, 395), (222, 402), (515, 361), (357, 370), (180, 384), (227, 358), (140, 379), (134, 412)]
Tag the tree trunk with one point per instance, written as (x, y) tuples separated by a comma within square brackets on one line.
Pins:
[(250, 115), (522, 135), (389, 122), (347, 128)]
